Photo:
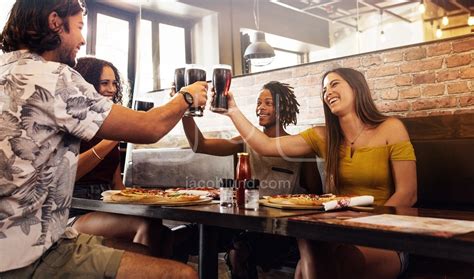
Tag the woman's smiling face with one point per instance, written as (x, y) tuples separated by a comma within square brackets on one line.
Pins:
[(338, 94), (108, 83)]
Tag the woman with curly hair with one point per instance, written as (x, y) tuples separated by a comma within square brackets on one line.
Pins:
[(98, 170)]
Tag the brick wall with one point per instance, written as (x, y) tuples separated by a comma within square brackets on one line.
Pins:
[(427, 79)]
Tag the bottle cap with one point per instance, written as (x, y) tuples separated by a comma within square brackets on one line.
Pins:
[(242, 154), (252, 184), (226, 183)]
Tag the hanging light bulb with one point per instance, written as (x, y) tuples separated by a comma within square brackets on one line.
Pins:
[(445, 20), (259, 52), (439, 33), (470, 20), (421, 7)]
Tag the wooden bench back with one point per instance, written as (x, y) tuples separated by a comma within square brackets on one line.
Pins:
[(444, 148)]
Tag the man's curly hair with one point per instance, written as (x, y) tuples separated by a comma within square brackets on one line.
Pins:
[(28, 27), (284, 102)]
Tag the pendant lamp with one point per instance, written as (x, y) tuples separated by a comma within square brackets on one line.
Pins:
[(259, 52)]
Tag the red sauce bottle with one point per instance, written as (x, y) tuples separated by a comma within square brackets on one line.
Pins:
[(243, 172)]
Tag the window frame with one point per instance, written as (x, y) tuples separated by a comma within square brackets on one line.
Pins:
[(93, 9), (156, 19)]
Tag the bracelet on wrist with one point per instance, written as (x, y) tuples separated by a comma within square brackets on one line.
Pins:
[(97, 155)]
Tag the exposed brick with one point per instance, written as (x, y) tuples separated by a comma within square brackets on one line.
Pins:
[(447, 75), (404, 80), (424, 104), (375, 95), (463, 45), (372, 60), (467, 73), (433, 90), (464, 111), (458, 87), (413, 67), (388, 94), (392, 57), (311, 69), (441, 112), (382, 71), (438, 49), (445, 102), (274, 75), (352, 62), (371, 83), (458, 60), (382, 83), (393, 106), (311, 80), (415, 53), (410, 93), (466, 101), (424, 78), (243, 81), (417, 114)]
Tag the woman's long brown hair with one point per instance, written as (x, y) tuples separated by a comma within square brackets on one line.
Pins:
[(365, 110)]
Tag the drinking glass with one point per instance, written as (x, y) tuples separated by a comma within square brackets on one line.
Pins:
[(143, 105), (221, 78), (179, 78), (192, 74)]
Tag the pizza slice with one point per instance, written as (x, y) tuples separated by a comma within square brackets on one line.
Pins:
[(303, 199)]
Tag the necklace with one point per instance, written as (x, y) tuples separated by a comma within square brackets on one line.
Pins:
[(360, 133)]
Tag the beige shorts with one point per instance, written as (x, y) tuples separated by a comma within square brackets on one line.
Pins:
[(81, 257)]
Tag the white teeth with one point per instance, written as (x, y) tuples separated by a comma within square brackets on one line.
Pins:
[(333, 100)]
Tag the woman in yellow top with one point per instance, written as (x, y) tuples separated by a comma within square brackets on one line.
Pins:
[(365, 152)]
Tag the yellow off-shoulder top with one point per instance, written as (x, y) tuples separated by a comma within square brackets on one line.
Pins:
[(367, 171)]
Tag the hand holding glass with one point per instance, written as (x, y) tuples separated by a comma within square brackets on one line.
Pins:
[(221, 78), (192, 74)]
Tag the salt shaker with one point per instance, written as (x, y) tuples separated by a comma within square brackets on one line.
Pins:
[(226, 192), (251, 193)]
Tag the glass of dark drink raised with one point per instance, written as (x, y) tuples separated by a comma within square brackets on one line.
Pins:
[(179, 78), (192, 74), (143, 105), (221, 78)]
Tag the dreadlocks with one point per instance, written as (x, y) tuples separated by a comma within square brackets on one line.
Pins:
[(284, 101)]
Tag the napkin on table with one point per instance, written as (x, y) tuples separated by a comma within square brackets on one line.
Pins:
[(353, 201)]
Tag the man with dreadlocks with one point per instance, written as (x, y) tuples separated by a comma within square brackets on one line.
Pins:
[(277, 107)]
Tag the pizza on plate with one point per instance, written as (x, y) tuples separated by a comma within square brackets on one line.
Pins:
[(147, 196), (303, 199), (198, 191)]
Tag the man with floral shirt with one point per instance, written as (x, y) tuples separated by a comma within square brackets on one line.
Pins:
[(46, 108)]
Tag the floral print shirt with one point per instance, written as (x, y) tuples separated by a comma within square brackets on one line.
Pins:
[(46, 108)]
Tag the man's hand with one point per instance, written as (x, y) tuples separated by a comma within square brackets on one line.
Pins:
[(172, 89), (199, 92)]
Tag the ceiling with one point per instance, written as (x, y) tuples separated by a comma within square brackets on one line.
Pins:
[(347, 12)]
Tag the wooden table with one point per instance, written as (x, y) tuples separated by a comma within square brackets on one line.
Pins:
[(309, 224)]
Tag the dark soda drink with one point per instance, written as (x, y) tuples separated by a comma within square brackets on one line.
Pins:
[(192, 74), (179, 78), (221, 78)]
